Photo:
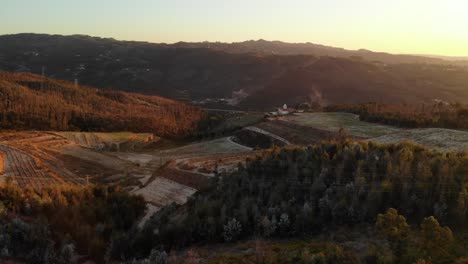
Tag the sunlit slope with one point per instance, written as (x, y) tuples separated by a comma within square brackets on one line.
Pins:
[(33, 102)]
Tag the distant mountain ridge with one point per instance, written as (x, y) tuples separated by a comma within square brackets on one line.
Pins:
[(285, 48), (250, 75)]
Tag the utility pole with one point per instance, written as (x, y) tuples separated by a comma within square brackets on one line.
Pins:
[(43, 75), (76, 82)]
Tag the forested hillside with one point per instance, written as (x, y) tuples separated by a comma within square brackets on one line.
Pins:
[(283, 48), (33, 102), (255, 78), (58, 223), (330, 81), (297, 192)]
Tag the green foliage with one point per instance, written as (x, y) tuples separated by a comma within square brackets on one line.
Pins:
[(392, 225), (231, 230), (69, 220), (435, 239), (342, 183)]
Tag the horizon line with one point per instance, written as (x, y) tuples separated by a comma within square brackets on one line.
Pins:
[(434, 56)]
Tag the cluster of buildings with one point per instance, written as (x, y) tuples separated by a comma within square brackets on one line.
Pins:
[(281, 111)]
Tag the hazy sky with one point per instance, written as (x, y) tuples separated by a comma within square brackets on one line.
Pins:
[(398, 26)]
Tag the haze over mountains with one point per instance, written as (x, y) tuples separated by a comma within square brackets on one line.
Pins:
[(283, 48), (252, 74)]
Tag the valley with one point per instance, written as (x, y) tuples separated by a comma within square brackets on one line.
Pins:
[(254, 75), (165, 175), (161, 176), (302, 153), (173, 176), (222, 132)]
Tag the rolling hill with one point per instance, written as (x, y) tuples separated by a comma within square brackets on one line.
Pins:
[(283, 48), (254, 74), (331, 80), (30, 101)]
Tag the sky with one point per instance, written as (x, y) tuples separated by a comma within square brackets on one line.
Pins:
[(438, 27)]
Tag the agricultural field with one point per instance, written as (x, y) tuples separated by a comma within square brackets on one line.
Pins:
[(161, 176), (172, 175), (41, 159), (165, 175), (120, 141), (213, 164), (161, 192), (438, 138), (296, 127), (238, 120), (29, 160), (333, 122), (294, 133), (216, 146)]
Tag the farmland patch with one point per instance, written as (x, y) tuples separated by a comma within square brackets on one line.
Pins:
[(162, 191), (439, 138), (333, 122)]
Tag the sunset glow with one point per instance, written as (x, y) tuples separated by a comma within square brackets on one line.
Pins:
[(399, 26)]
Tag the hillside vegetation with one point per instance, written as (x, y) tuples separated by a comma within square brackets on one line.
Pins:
[(283, 48), (257, 78), (439, 114), (329, 80), (301, 191), (33, 102), (57, 223)]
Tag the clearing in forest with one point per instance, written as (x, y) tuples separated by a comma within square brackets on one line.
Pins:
[(216, 146), (439, 138), (162, 191), (333, 122)]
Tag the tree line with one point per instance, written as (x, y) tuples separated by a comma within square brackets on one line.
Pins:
[(440, 114)]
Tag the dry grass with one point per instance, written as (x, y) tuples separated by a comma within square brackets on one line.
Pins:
[(333, 122), (216, 146), (295, 133), (112, 141), (439, 138), (161, 192)]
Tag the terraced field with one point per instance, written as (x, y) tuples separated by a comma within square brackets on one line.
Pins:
[(161, 192), (28, 163), (180, 172), (41, 159), (121, 141)]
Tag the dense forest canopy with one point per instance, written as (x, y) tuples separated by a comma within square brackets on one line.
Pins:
[(34, 102), (55, 224), (300, 191)]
